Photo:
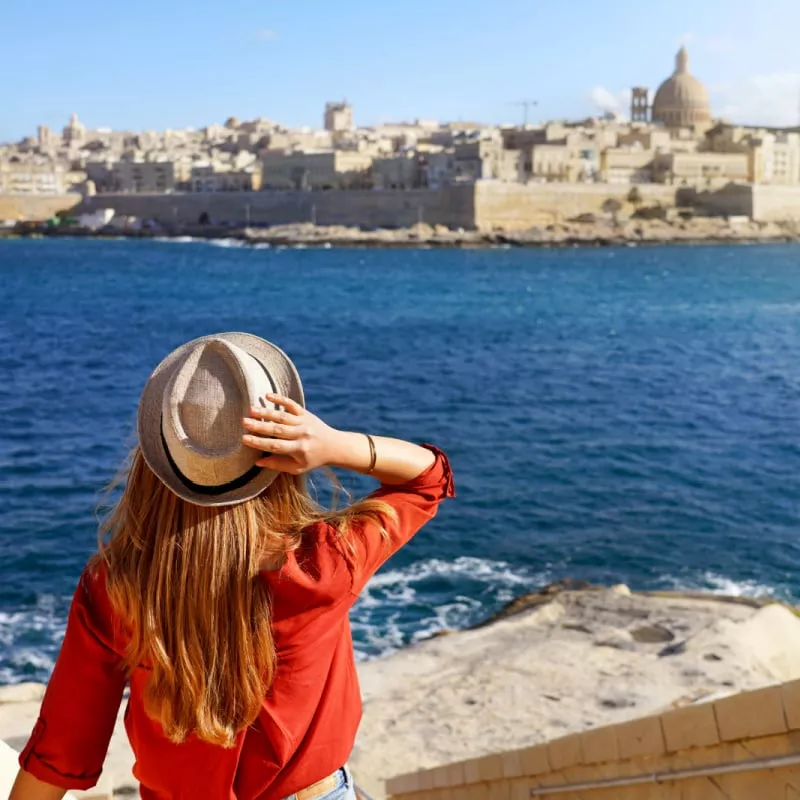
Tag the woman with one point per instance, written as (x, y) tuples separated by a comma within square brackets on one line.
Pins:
[(221, 590)]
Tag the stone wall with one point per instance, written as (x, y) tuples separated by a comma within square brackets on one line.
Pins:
[(520, 206), (733, 200), (29, 207), (757, 201), (486, 205), (453, 207), (742, 747), (776, 203)]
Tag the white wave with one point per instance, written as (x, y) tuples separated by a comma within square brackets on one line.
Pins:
[(48, 616), (30, 639), (403, 606), (713, 583), (464, 566), (18, 666), (176, 239), (226, 243)]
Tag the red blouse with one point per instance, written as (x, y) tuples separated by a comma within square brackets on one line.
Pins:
[(308, 723)]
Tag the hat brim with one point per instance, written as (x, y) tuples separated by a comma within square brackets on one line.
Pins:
[(151, 441)]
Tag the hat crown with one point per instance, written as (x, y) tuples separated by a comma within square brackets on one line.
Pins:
[(203, 406), (210, 396)]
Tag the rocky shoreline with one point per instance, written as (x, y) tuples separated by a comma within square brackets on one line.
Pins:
[(561, 659), (580, 233)]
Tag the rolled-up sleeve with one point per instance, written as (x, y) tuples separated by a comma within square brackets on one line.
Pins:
[(414, 504), (70, 739)]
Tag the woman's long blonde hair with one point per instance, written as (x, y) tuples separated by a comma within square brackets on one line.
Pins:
[(184, 580)]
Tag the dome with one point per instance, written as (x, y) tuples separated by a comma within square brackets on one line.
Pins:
[(681, 101)]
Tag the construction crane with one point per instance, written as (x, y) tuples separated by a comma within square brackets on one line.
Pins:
[(526, 106)]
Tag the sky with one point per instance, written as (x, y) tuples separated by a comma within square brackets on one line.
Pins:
[(172, 64)]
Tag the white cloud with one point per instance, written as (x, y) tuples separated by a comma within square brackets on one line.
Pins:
[(605, 100), (266, 34), (772, 99)]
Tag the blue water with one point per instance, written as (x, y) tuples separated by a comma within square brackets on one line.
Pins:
[(615, 414)]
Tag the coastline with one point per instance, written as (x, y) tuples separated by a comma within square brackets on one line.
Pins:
[(565, 658), (595, 233)]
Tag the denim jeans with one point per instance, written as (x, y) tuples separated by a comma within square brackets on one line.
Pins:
[(344, 789)]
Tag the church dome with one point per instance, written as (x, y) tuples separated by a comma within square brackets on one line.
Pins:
[(681, 101)]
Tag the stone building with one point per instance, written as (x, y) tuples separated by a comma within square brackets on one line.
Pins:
[(548, 162), (299, 139), (682, 101), (701, 169), (774, 153), (486, 159), (401, 171), (208, 178), (143, 177), (46, 139), (329, 169), (74, 132), (647, 138), (775, 158), (26, 177), (338, 117), (437, 168), (626, 165)]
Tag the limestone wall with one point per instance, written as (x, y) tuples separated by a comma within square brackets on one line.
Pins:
[(757, 201), (519, 206), (742, 747), (486, 205), (453, 207), (733, 200), (35, 207), (776, 203)]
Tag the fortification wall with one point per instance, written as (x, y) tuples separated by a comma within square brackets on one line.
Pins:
[(26, 207), (486, 205), (776, 203), (512, 206), (733, 200), (742, 747), (453, 207)]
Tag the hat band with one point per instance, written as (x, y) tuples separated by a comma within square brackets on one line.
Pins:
[(221, 488)]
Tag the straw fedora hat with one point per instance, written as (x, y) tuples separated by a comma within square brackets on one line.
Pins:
[(190, 416)]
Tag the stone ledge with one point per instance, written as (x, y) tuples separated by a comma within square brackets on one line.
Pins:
[(732, 729)]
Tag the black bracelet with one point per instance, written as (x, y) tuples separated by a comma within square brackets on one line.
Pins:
[(372, 454)]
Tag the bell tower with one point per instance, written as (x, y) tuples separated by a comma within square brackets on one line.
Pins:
[(640, 104)]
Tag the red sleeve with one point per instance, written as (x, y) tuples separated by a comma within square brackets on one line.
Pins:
[(70, 739), (415, 503)]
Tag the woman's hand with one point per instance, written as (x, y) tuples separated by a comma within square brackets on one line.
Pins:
[(294, 440)]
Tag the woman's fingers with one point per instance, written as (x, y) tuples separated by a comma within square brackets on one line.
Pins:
[(278, 446), (274, 430), (290, 405), (274, 415)]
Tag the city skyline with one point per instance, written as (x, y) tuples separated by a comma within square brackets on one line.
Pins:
[(174, 68)]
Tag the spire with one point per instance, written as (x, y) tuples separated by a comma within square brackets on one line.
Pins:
[(682, 61)]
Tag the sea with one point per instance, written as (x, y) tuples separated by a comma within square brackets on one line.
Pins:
[(616, 415)]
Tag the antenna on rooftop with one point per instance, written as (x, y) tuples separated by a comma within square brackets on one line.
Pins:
[(526, 106)]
